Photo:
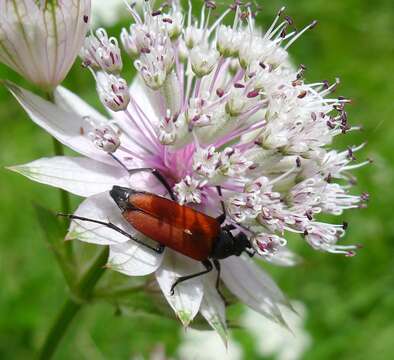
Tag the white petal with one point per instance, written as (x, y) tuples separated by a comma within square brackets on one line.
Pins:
[(188, 295), (63, 125), (284, 257), (80, 176), (132, 259), (213, 307), (125, 256), (99, 207), (275, 342), (204, 345), (253, 286), (69, 101)]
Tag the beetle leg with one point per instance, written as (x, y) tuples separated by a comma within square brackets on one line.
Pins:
[(158, 250), (221, 218), (217, 266), (155, 172), (250, 252), (228, 227), (158, 176), (208, 267)]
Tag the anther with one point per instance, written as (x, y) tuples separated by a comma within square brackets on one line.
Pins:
[(219, 92), (302, 94), (253, 94)]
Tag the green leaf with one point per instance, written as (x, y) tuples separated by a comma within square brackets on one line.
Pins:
[(53, 229)]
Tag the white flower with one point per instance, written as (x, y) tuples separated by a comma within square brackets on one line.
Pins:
[(277, 342), (105, 137), (188, 190), (102, 53), (245, 120), (41, 39), (113, 91), (203, 60)]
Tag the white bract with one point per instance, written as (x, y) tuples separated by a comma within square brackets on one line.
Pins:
[(41, 39), (211, 106)]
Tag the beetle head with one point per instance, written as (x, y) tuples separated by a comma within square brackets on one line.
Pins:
[(121, 196), (228, 245)]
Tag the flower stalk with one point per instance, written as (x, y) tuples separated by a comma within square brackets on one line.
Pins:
[(74, 304), (58, 150)]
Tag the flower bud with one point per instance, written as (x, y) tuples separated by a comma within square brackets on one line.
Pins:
[(174, 25), (193, 36), (102, 53), (203, 60), (113, 92), (105, 138), (228, 41), (136, 40), (40, 40)]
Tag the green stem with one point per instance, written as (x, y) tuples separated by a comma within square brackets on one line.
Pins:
[(72, 306), (118, 292), (64, 195)]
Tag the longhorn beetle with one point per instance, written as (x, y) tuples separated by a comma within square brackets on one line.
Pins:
[(181, 228)]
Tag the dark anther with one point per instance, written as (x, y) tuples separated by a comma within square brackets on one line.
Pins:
[(239, 86), (330, 125), (85, 19), (364, 196), (156, 13), (345, 225), (210, 4), (302, 94), (350, 154), (219, 92), (298, 162), (253, 94), (145, 51), (289, 20)]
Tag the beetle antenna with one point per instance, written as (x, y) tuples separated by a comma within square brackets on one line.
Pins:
[(118, 161), (219, 190), (158, 250)]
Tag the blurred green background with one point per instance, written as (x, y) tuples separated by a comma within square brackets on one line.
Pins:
[(350, 301)]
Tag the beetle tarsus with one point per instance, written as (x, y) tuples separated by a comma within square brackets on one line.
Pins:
[(208, 268), (250, 252), (160, 249), (218, 268)]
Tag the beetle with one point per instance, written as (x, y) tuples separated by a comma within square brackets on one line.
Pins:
[(178, 227)]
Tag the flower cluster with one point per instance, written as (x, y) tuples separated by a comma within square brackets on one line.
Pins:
[(212, 106)]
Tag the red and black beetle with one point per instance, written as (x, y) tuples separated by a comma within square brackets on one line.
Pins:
[(181, 228)]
